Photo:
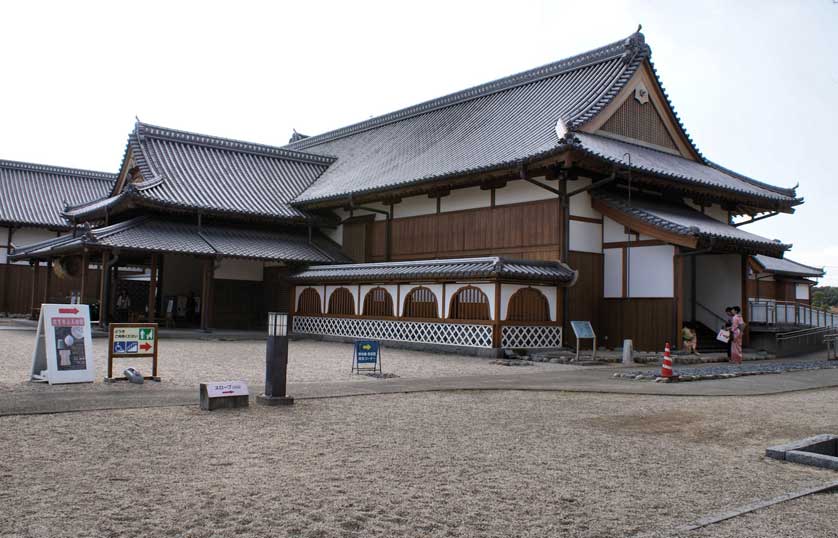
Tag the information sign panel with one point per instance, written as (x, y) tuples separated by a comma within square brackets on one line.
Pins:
[(367, 356), (222, 389), (63, 345), (583, 331), (132, 340)]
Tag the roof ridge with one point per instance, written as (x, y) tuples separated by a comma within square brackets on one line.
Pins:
[(821, 269), (628, 48), (230, 144), (77, 172)]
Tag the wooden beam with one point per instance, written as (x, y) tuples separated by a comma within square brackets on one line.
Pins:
[(83, 285), (152, 289), (47, 281), (644, 227), (496, 339), (36, 266)]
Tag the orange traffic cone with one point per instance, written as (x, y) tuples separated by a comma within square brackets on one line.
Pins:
[(666, 367)]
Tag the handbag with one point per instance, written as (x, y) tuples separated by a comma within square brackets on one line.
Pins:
[(723, 336)]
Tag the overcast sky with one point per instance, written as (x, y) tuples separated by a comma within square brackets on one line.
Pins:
[(755, 82)]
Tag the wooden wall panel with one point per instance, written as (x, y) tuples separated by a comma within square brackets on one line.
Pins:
[(16, 286), (648, 322), (238, 304), (527, 230), (585, 298)]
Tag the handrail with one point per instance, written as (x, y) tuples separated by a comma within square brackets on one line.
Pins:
[(718, 317), (801, 333)]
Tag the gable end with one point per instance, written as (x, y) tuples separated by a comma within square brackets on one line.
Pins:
[(640, 121)]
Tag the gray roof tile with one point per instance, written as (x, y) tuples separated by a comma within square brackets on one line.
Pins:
[(471, 268), (491, 125), (683, 220), (673, 166), (784, 266), (35, 194), (152, 235)]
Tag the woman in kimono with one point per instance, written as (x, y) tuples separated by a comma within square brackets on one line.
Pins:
[(737, 329)]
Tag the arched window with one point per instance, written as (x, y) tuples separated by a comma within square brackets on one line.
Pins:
[(378, 302), (528, 304), (420, 303), (469, 303), (341, 302), (309, 302)]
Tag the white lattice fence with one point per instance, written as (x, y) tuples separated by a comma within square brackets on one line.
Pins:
[(452, 334), (531, 336)]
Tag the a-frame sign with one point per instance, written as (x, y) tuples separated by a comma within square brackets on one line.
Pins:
[(63, 345)]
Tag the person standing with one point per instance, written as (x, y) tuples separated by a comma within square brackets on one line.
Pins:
[(737, 331), (123, 305), (728, 324)]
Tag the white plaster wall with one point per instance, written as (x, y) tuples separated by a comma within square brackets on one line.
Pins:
[(335, 234), (238, 269), (299, 291), (613, 231), (718, 281), (580, 205), (331, 289), (585, 236), (487, 288), (715, 211), (414, 206), (373, 205), (436, 289), (801, 291), (4, 255), (470, 198), (507, 290), (612, 272), (391, 289), (651, 271), (518, 191), (27, 236), (4, 236)]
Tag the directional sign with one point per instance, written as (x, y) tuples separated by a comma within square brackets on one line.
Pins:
[(218, 389), (133, 340), (367, 356)]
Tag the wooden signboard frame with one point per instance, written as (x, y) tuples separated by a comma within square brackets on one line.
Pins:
[(584, 331), (140, 353)]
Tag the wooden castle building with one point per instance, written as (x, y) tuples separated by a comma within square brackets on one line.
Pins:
[(483, 219)]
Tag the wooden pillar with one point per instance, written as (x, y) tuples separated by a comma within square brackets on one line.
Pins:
[(83, 285), (33, 297), (152, 289), (746, 337), (496, 339), (103, 288), (206, 295), (693, 286), (444, 304), (679, 297), (560, 293), (47, 281)]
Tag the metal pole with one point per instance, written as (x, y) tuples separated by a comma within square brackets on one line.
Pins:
[(276, 362)]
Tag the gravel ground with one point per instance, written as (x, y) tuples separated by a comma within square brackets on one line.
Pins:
[(188, 362), (814, 515), (461, 464), (766, 367)]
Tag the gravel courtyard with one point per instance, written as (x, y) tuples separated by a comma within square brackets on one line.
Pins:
[(439, 464), (188, 362)]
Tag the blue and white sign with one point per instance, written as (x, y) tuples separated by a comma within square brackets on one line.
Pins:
[(119, 347), (367, 356)]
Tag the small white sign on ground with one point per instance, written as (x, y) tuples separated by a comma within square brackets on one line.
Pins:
[(63, 345), (220, 389)]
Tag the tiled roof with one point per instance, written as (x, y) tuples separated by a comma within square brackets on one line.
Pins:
[(214, 175), (151, 235), (683, 220), (784, 266), (471, 268), (674, 167), (35, 194), (488, 126)]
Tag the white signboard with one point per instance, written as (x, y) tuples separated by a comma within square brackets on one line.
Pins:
[(63, 345), (217, 389)]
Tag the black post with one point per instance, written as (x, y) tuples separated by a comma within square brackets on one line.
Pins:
[(276, 362)]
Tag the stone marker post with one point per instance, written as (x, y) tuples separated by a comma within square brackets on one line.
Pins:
[(276, 361)]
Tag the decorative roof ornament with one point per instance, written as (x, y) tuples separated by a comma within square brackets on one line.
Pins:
[(641, 93), (635, 44)]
